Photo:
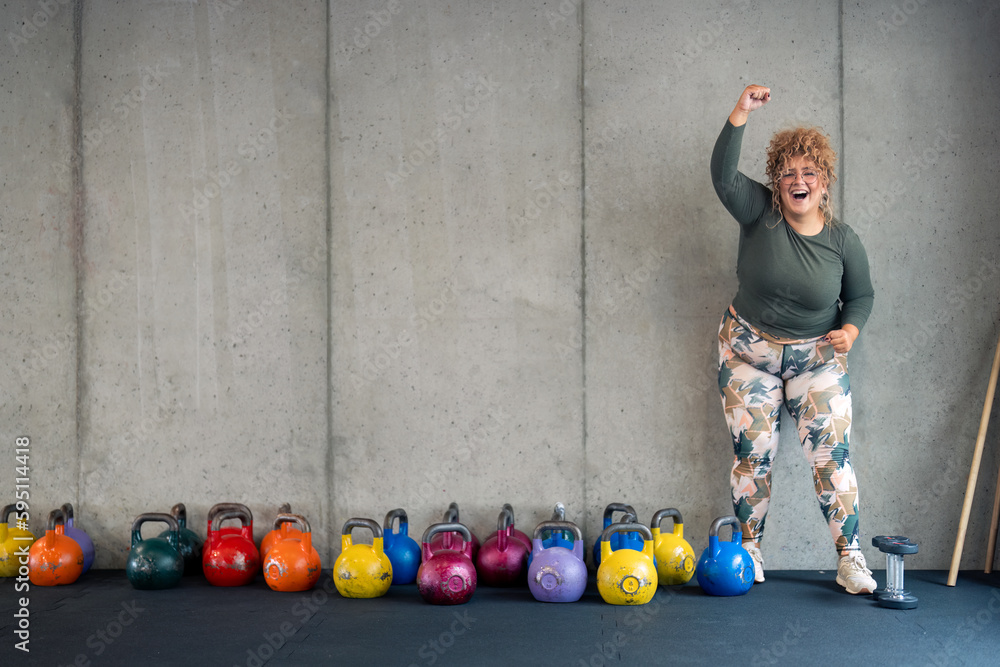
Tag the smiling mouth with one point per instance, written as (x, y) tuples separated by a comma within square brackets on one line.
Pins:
[(799, 196)]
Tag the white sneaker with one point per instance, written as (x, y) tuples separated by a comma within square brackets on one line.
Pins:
[(854, 575), (758, 562)]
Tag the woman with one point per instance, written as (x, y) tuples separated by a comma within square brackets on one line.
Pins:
[(804, 295)]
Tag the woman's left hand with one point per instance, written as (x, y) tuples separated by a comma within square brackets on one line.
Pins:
[(843, 339)]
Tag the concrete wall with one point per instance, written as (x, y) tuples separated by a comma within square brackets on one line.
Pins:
[(370, 254)]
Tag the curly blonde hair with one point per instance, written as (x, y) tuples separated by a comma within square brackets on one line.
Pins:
[(811, 143)]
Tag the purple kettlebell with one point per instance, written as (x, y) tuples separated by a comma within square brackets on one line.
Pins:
[(78, 536), (557, 574)]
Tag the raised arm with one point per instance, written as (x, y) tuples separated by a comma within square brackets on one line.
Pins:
[(744, 198)]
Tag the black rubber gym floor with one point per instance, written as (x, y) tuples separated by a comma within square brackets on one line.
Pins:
[(794, 618)]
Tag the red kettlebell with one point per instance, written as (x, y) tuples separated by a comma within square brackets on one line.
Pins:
[(515, 532), (503, 559), (221, 507), (444, 540), (55, 559), (292, 563), (447, 576), (282, 530), (231, 559)]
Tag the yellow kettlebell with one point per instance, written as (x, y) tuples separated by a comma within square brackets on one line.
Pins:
[(14, 542), (674, 556), (362, 570), (627, 576)]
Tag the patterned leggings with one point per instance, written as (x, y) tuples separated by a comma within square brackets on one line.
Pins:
[(757, 373)]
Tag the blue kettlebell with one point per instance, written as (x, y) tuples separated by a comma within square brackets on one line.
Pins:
[(725, 568), (402, 550), (555, 538), (618, 540)]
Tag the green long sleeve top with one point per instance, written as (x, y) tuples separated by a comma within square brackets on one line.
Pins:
[(790, 285)]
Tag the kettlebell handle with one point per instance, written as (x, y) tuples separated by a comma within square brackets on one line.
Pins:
[(351, 524), (6, 512), (554, 525), (242, 513), (505, 519), (453, 527), (391, 516), (67, 510), (663, 514), (174, 526), (559, 513), (288, 517), (627, 527), (713, 530), (221, 507), (56, 517), (610, 510), (451, 514), (179, 512)]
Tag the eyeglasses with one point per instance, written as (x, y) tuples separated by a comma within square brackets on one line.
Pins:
[(809, 176)]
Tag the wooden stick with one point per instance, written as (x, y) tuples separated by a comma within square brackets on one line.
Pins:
[(991, 545), (970, 488)]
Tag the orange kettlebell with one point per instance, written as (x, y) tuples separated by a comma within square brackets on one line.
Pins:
[(292, 563), (282, 531), (55, 559)]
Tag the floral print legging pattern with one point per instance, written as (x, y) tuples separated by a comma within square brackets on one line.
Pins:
[(757, 373)]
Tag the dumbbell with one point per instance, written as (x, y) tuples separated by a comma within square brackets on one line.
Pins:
[(894, 595)]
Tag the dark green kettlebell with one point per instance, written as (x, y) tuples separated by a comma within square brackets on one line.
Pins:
[(190, 544), (155, 563)]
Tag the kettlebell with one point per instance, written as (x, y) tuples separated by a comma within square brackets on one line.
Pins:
[(281, 531), (725, 568), (503, 558), (616, 539), (13, 541), (557, 574), (550, 538), (292, 563), (402, 550), (674, 556), (190, 543), (627, 576), (226, 530), (231, 559), (362, 570), (79, 536), (55, 560), (444, 540), (523, 537), (447, 576), (155, 563)]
